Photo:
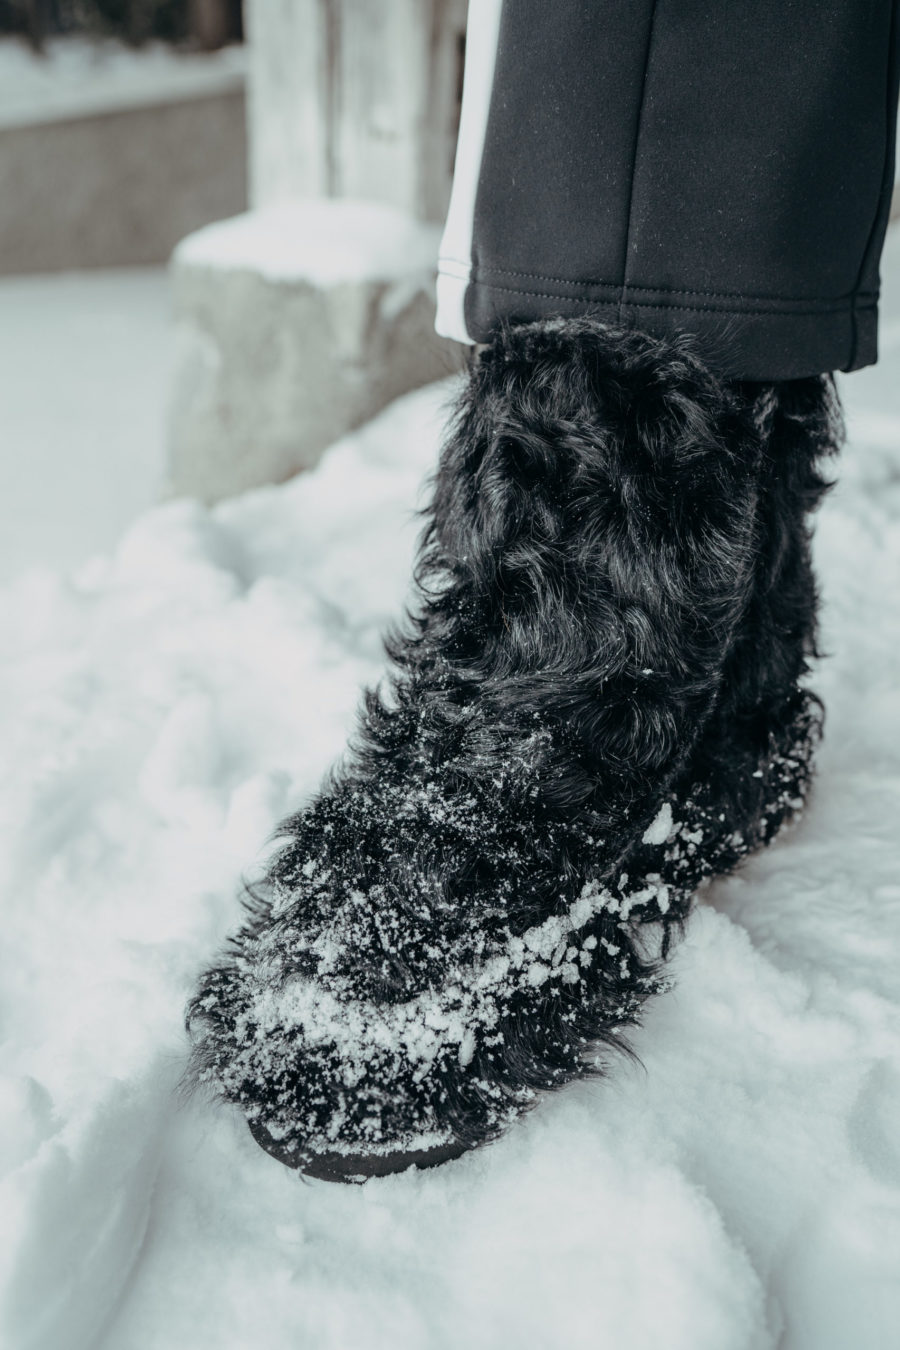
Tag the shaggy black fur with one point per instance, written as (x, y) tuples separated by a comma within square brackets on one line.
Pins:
[(749, 772), (594, 707)]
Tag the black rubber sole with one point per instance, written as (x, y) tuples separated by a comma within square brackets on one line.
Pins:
[(353, 1168)]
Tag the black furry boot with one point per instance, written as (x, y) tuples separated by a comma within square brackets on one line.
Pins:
[(479, 897), (751, 769)]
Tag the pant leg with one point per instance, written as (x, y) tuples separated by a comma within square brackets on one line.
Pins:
[(721, 167)]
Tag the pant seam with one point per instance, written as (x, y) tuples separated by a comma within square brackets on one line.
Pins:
[(482, 273), (634, 162), (842, 306)]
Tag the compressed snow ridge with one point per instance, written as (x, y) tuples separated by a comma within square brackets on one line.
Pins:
[(321, 241)]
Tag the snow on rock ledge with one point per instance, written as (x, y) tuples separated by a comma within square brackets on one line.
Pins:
[(296, 323), (324, 241)]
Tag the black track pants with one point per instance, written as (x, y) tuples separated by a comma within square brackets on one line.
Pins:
[(720, 167)]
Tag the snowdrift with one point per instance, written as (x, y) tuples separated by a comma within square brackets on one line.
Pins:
[(160, 709)]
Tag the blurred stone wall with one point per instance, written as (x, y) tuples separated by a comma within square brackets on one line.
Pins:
[(120, 186)]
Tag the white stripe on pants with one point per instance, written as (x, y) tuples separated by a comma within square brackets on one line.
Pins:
[(455, 260)]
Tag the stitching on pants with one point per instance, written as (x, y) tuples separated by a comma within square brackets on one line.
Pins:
[(832, 308), (659, 290)]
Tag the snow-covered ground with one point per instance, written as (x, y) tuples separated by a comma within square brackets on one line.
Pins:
[(84, 366), (162, 705)]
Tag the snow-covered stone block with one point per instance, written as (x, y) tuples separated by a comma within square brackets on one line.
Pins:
[(296, 323)]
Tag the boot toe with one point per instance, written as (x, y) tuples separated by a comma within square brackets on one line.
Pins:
[(354, 1168)]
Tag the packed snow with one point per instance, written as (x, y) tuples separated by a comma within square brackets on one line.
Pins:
[(84, 368), (162, 706)]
